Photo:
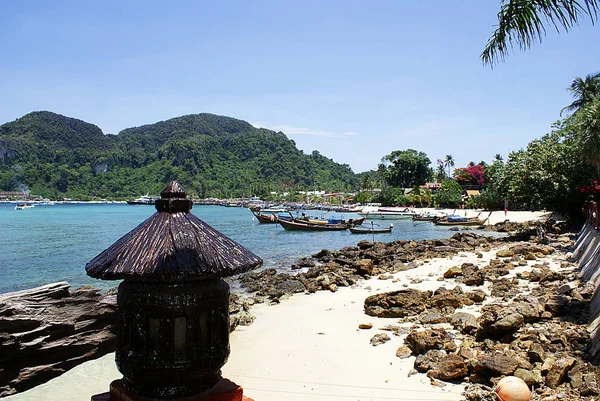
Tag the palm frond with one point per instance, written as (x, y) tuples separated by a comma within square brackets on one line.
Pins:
[(522, 22)]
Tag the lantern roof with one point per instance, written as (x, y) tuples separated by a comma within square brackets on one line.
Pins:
[(172, 245)]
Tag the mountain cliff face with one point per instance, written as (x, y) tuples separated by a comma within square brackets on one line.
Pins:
[(210, 155)]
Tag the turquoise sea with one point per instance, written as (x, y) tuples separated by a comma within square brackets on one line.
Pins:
[(53, 243)]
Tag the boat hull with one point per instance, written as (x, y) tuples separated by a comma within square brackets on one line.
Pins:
[(298, 226), (460, 223), (387, 215), (366, 230)]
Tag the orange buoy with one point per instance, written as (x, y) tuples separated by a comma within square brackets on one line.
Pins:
[(512, 388)]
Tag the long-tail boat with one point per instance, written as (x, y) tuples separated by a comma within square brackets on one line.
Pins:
[(373, 229), (455, 220), (296, 225)]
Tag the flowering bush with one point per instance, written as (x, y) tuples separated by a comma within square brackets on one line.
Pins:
[(592, 188), (472, 175), (477, 174)]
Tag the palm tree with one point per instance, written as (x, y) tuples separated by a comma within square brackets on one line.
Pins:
[(523, 22), (449, 162), (584, 91), (366, 181), (588, 124), (440, 174), (498, 157)]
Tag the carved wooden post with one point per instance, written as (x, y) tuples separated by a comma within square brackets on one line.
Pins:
[(173, 303)]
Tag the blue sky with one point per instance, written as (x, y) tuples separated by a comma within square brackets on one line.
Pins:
[(354, 80)]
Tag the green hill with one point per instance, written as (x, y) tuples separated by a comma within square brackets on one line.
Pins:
[(58, 156)]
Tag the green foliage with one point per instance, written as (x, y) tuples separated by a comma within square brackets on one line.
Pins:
[(363, 197), (369, 180), (212, 156), (587, 126), (547, 173), (406, 168), (420, 196), (392, 197), (584, 91), (449, 194), (523, 22)]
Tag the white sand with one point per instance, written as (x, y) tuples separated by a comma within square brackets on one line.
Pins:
[(494, 217), (308, 347)]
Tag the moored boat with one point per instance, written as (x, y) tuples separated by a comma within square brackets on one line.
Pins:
[(427, 216), (143, 200), (374, 229), (268, 217), (455, 220), (389, 214), (23, 206), (296, 225)]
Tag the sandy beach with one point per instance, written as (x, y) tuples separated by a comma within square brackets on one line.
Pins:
[(309, 347)]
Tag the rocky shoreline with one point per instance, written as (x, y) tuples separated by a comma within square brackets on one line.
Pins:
[(517, 307), (523, 312)]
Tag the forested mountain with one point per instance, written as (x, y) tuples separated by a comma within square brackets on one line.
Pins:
[(58, 156)]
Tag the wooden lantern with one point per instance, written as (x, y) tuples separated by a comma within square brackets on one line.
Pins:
[(173, 335)]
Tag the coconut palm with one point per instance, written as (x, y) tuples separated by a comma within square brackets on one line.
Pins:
[(498, 157), (588, 127), (440, 174), (523, 22), (449, 162), (584, 91)]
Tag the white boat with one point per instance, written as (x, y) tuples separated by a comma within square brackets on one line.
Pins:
[(389, 214), (23, 206), (143, 200)]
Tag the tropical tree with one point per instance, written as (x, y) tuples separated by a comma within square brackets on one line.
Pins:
[(419, 195), (405, 168), (588, 133), (523, 22), (548, 173), (449, 162), (585, 91), (363, 197), (449, 194), (497, 158), (440, 172)]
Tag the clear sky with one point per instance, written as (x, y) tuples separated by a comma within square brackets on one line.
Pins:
[(354, 80)]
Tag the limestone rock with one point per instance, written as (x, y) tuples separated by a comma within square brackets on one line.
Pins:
[(505, 253), (403, 352), (450, 368), (363, 267), (498, 363), (379, 339), (422, 341), (464, 322), (432, 317), (558, 370), (46, 331), (536, 353), (452, 272), (407, 302), (427, 361)]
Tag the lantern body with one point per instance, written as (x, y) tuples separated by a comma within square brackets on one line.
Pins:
[(174, 337)]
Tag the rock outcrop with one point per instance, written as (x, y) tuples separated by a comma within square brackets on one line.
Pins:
[(47, 330)]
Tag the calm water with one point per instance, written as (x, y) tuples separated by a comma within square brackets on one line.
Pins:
[(53, 243)]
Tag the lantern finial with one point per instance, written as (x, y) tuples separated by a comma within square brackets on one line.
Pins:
[(173, 199)]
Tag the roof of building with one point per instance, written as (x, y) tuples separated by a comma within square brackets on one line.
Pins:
[(172, 245)]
